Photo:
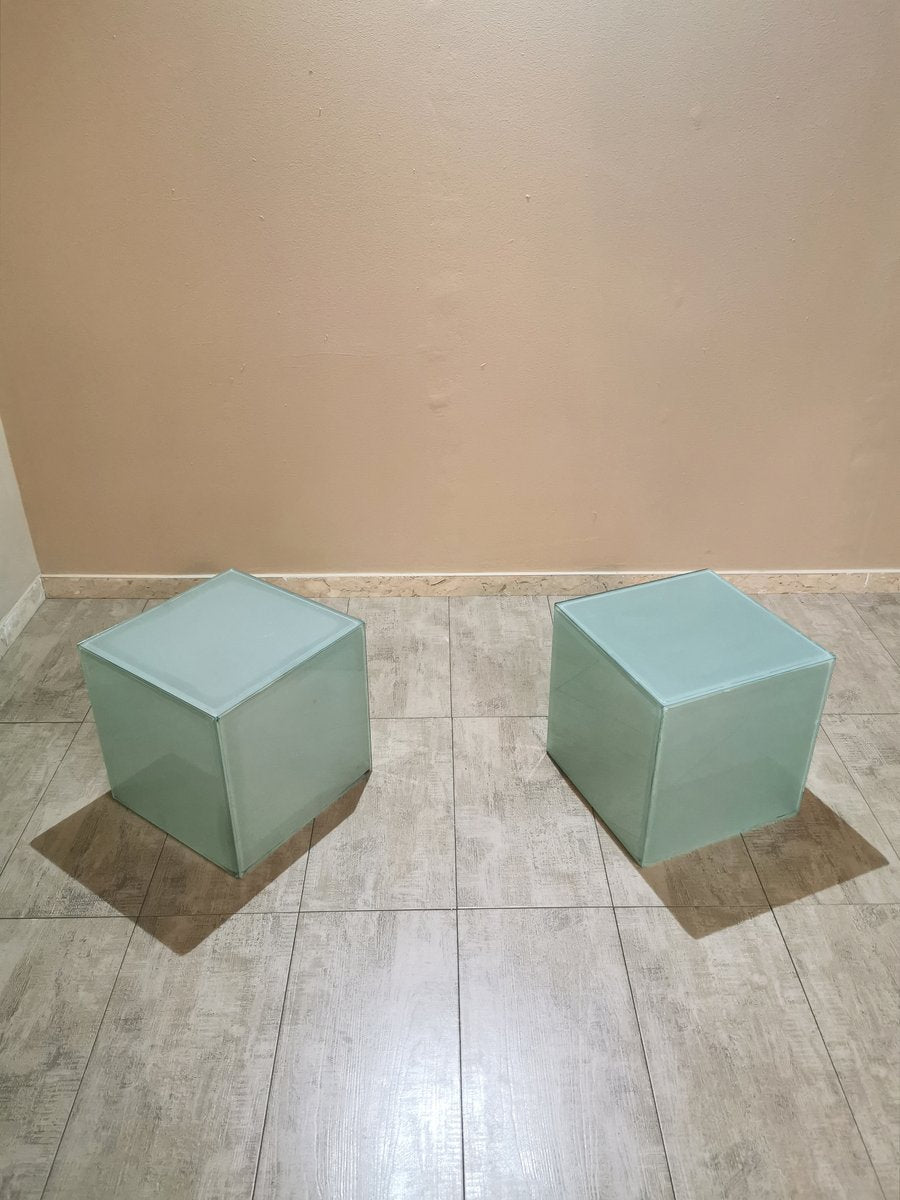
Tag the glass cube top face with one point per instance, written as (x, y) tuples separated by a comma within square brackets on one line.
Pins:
[(690, 635), (223, 640)]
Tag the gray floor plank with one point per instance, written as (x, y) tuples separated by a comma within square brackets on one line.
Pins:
[(556, 1097), (881, 612), (834, 851), (55, 980), (184, 883), (523, 835), (866, 679), (365, 1092), (750, 1105), (29, 755), (81, 854), (500, 655), (408, 651), (40, 676), (173, 1099), (847, 959), (870, 749), (389, 844), (722, 874), (367, 1098)]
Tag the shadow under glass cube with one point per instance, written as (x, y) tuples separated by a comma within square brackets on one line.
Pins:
[(231, 715), (683, 711)]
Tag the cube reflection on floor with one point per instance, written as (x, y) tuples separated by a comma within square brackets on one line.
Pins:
[(683, 711), (231, 715)]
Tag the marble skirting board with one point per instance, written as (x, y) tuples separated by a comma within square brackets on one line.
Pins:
[(13, 622), (551, 584)]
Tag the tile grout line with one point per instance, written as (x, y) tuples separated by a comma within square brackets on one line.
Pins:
[(837, 1077), (862, 616), (637, 1019), (824, 732), (152, 876), (87, 1061), (314, 912), (80, 724), (462, 1131), (54, 721), (40, 798), (287, 984)]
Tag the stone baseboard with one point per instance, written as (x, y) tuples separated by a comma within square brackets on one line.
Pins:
[(20, 614), (551, 583)]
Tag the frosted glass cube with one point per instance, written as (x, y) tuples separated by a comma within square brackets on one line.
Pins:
[(683, 711), (231, 715)]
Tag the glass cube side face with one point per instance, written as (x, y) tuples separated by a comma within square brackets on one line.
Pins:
[(295, 747), (602, 732), (734, 760), (163, 759)]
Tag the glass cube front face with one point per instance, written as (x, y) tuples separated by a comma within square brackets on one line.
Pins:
[(675, 753), (234, 718)]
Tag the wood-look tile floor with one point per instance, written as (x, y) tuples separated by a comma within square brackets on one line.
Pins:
[(454, 982)]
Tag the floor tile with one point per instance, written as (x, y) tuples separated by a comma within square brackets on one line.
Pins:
[(365, 1092), (389, 842), (408, 651), (870, 749), (174, 1097), (40, 676), (847, 959), (523, 835), (721, 874), (749, 1102), (184, 883), (881, 612), (834, 851), (29, 755), (866, 679), (55, 980), (500, 655), (556, 1097), (81, 854)]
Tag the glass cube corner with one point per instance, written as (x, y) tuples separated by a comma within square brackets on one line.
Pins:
[(233, 718), (686, 719)]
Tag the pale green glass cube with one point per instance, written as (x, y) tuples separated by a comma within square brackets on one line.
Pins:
[(231, 715), (683, 711)]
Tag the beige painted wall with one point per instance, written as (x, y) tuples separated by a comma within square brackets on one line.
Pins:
[(414, 286), (18, 565)]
